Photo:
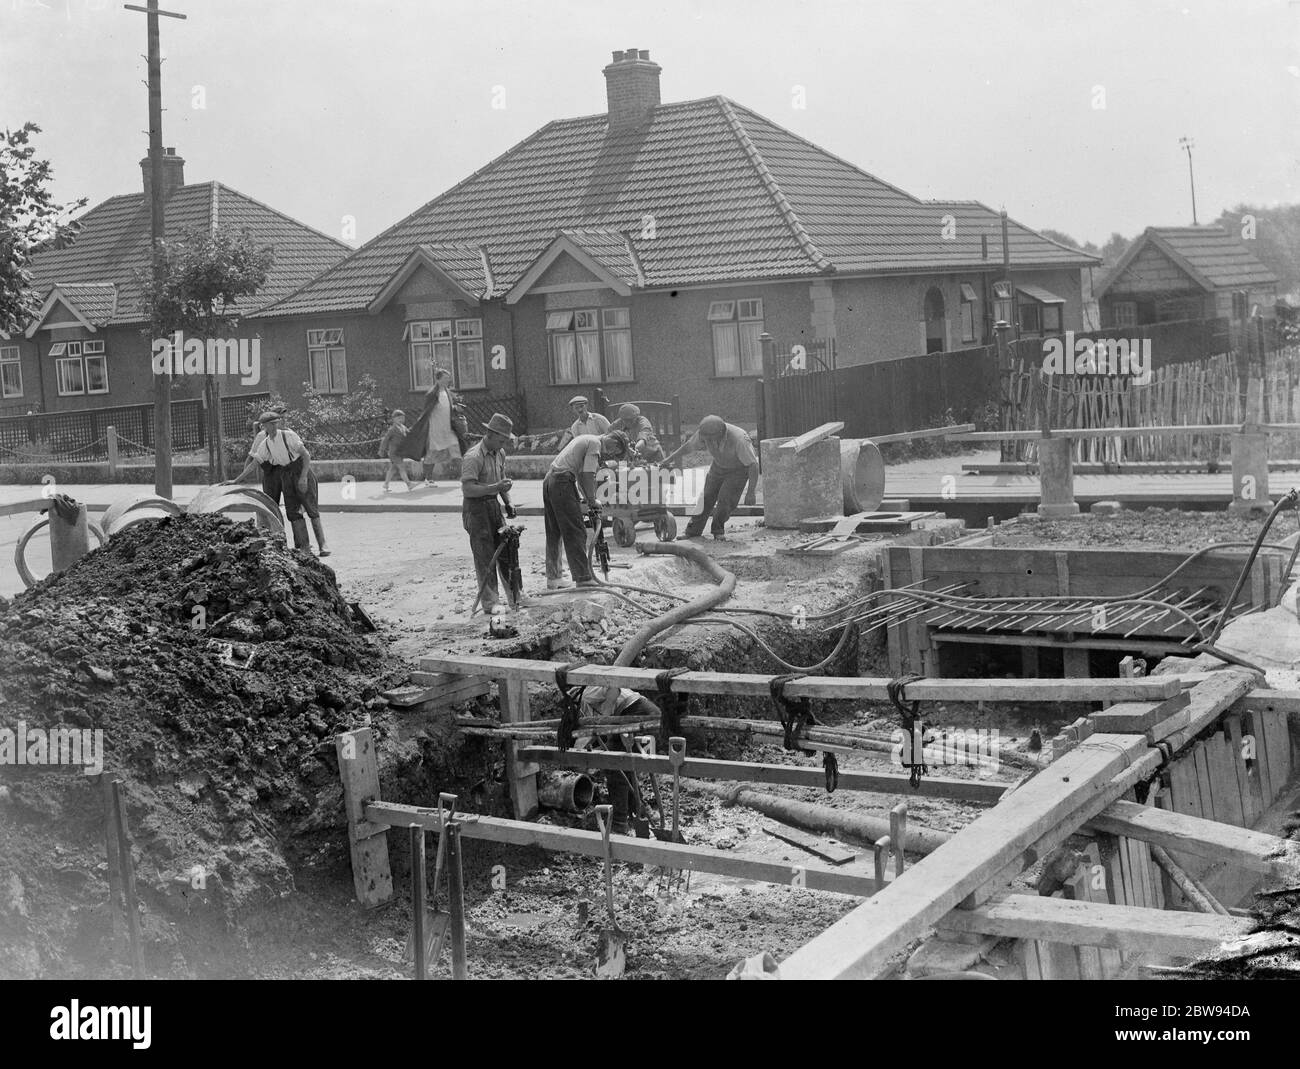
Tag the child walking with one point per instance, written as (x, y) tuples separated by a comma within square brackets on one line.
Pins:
[(390, 447)]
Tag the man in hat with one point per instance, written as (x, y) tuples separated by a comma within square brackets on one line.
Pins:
[(640, 434), (734, 464), (584, 422), (485, 488), (572, 471), (286, 469)]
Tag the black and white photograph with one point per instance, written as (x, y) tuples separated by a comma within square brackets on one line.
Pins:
[(704, 490)]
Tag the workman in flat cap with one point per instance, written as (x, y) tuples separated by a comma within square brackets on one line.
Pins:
[(735, 464)]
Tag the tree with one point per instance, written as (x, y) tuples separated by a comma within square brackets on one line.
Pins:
[(197, 289), (30, 220)]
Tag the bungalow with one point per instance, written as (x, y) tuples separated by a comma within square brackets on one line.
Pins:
[(1185, 272), (646, 249), (88, 346)]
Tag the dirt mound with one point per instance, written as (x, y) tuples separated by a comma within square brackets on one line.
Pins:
[(220, 763)]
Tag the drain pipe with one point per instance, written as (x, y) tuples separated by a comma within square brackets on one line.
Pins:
[(851, 827), (726, 586)]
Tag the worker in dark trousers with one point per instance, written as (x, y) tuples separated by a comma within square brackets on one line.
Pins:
[(485, 487), (574, 469), (734, 464), (616, 701), (286, 470)]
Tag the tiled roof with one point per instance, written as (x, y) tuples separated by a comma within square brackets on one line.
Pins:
[(726, 194), (113, 245), (1215, 254), (608, 248), (95, 302)]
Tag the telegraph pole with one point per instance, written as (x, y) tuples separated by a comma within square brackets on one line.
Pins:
[(162, 387), (1188, 144)]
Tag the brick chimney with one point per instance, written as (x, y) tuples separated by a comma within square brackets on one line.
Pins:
[(632, 88), (173, 173)]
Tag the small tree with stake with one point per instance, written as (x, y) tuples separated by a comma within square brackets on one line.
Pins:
[(29, 222), (200, 281)]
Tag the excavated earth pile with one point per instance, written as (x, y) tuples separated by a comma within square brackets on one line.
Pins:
[(221, 764)]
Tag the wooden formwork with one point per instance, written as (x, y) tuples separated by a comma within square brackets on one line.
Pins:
[(987, 572), (1205, 754)]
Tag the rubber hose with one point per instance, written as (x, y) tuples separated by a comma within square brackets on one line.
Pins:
[(726, 586)]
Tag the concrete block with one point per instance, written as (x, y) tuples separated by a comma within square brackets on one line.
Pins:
[(799, 485), (1106, 508)]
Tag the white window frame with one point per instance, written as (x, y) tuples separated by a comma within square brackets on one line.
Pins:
[(453, 344), (326, 344), (65, 364), (738, 325), (593, 325), (81, 355), (10, 358), (1126, 313), (967, 310)]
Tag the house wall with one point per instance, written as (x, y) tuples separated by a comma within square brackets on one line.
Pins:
[(882, 318)]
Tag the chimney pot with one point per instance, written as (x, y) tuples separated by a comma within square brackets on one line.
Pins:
[(618, 57), (173, 173), (630, 54), (644, 53)]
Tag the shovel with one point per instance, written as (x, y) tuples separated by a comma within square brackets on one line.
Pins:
[(677, 758), (612, 958), (645, 744), (437, 921)]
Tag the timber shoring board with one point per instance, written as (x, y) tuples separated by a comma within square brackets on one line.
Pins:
[(832, 688), (1078, 785), (749, 772), (1182, 833), (674, 856), (1125, 928), (359, 770), (1136, 717)]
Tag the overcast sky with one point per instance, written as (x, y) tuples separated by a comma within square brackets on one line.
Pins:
[(1067, 112)]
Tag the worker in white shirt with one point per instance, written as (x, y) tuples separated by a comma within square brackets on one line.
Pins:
[(584, 421), (285, 466)]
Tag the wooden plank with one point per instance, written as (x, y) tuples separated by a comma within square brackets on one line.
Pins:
[(1254, 732), (1077, 662), (1136, 717), (1223, 781), (636, 851), (1279, 747), (827, 849), (1183, 792), (372, 879), (932, 432), (1205, 783), (1110, 959), (1112, 432), (1027, 952), (835, 688), (521, 775), (796, 775), (1252, 793), (1127, 928), (1262, 699), (810, 438), (1077, 786), (441, 695), (1089, 958), (1208, 701)]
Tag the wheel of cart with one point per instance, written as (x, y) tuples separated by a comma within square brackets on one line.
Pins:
[(626, 517)]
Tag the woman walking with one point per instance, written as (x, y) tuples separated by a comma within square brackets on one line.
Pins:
[(434, 437)]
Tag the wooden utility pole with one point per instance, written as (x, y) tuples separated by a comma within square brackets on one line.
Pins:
[(162, 387)]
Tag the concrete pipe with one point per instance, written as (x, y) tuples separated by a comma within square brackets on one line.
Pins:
[(801, 486), (139, 515), (237, 498), (862, 472), (162, 506), (20, 551), (572, 792)]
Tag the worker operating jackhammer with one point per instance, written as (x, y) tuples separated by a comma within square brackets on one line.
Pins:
[(572, 471), (486, 490)]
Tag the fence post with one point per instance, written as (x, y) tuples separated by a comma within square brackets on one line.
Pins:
[(760, 404), (110, 433), (768, 348), (1001, 330)]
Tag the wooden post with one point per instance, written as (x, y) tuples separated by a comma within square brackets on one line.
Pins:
[(456, 901), (110, 434), (898, 836), (881, 858), (760, 406), (359, 770), (418, 888), (128, 880), (522, 775), (768, 348)]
